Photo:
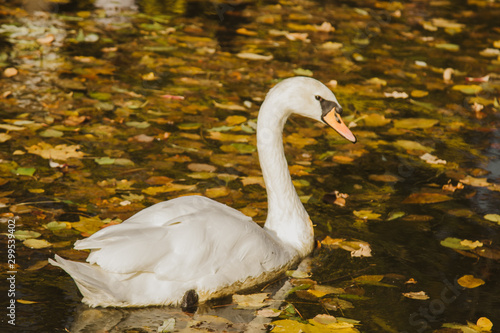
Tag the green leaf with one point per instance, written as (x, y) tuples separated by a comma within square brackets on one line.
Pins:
[(302, 72), (102, 96), (138, 124), (468, 89), (26, 234), (51, 133), (104, 160), (24, 171), (454, 243)]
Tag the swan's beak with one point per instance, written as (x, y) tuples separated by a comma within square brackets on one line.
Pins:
[(333, 119)]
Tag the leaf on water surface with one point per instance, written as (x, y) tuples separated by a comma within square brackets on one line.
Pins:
[(418, 295), (10, 72), (468, 89), (51, 133), (61, 152), (251, 180), (459, 244), (4, 137), (431, 159), (484, 323), (299, 141), (375, 120), (384, 178), (38, 265), (254, 56), (36, 243), (229, 137), (241, 148), (469, 281), (413, 145), (168, 188), (447, 46), (426, 198), (411, 123), (320, 323), (492, 218), (396, 94), (26, 234), (231, 107), (471, 244), (303, 72), (138, 124), (54, 225), (167, 326), (88, 225), (24, 171), (143, 138), (328, 289), (366, 214), (217, 192), (336, 304), (395, 215), (419, 93), (251, 301), (480, 182), (235, 120), (269, 313), (23, 301), (201, 167), (8, 127)]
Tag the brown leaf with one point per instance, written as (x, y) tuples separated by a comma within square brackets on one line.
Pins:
[(426, 198)]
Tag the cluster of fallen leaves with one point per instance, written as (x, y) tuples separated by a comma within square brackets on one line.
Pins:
[(108, 115)]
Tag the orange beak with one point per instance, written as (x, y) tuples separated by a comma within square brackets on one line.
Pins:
[(333, 119)]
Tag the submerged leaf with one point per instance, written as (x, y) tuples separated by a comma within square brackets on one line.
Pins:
[(426, 198)]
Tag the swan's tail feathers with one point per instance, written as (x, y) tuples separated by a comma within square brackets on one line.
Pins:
[(90, 279)]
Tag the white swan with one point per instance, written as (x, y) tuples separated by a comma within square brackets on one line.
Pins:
[(196, 244)]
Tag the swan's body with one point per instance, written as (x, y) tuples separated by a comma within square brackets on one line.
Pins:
[(194, 243)]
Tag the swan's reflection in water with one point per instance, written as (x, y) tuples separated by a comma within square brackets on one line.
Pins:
[(217, 316)]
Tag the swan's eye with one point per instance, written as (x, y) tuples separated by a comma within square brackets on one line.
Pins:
[(319, 98)]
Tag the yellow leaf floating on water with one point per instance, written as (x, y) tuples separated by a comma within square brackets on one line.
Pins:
[(154, 190), (410, 123), (484, 324), (375, 120), (470, 244), (492, 218), (36, 243), (23, 301), (59, 152), (320, 323), (235, 120), (366, 214), (468, 89), (217, 192), (299, 141), (419, 93), (88, 225), (251, 301), (469, 281), (229, 137), (413, 145)]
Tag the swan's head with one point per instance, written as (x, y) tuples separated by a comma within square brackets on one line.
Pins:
[(312, 99)]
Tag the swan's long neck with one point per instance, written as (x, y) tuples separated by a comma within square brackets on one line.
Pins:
[(287, 218)]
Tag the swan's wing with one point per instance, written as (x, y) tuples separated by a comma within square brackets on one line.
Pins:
[(204, 240)]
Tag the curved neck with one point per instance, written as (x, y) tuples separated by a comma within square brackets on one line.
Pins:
[(287, 219)]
